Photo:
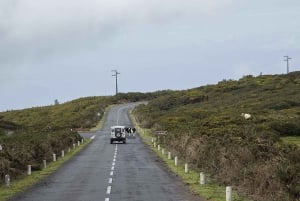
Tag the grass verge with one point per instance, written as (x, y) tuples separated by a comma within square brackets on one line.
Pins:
[(292, 140), (27, 181), (211, 190)]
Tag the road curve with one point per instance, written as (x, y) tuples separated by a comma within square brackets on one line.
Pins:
[(105, 172)]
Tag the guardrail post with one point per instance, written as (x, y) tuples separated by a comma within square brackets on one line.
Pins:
[(62, 153), (45, 163), (78, 143), (82, 140), (7, 180), (154, 144), (202, 178), (158, 147), (228, 193), (169, 155), (54, 157), (29, 170), (69, 149), (163, 151), (176, 160), (74, 145)]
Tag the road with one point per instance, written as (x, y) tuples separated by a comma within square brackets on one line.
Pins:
[(106, 172)]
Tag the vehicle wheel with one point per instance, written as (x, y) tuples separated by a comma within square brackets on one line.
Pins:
[(124, 141), (111, 141)]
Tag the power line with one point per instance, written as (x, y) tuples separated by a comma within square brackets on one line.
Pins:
[(287, 63), (116, 75)]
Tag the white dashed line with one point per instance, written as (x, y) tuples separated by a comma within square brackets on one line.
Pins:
[(110, 180), (108, 190)]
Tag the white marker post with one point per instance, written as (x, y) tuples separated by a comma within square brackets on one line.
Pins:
[(7, 180), (186, 168), (169, 155), (45, 163), (163, 151), (202, 178), (176, 160), (62, 153), (29, 170), (158, 147), (54, 157), (228, 193)]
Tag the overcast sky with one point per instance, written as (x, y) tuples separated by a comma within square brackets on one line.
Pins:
[(66, 49)]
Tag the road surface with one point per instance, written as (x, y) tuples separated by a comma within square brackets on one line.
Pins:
[(111, 172)]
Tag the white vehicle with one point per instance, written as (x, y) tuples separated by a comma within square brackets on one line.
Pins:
[(118, 134)]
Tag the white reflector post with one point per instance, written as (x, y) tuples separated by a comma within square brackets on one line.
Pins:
[(228, 193), (186, 168), (202, 178), (29, 170)]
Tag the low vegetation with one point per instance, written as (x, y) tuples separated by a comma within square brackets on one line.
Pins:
[(206, 129)]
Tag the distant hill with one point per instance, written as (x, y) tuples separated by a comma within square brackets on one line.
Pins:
[(205, 127)]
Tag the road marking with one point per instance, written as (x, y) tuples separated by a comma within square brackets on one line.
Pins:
[(93, 137), (108, 190), (110, 180)]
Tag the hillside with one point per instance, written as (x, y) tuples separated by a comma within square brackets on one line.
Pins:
[(32, 135), (205, 127)]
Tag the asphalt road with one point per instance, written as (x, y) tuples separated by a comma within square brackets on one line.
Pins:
[(106, 172)]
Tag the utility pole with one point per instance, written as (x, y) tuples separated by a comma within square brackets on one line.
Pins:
[(116, 75), (287, 63)]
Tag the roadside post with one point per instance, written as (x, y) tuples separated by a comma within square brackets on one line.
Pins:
[(186, 168), (29, 170), (228, 193), (45, 163), (7, 180), (202, 178)]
